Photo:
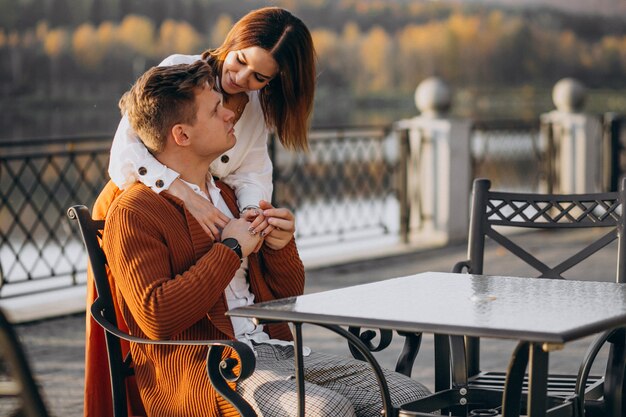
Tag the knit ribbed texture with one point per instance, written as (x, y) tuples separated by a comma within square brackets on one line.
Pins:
[(170, 281)]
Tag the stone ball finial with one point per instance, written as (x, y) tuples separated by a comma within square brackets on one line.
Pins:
[(569, 95), (433, 97)]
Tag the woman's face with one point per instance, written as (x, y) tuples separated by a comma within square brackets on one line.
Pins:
[(247, 69)]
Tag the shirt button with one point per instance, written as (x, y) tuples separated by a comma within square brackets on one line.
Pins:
[(225, 159), (142, 171), (159, 183)]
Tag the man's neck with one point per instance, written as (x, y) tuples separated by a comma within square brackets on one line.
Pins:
[(191, 169)]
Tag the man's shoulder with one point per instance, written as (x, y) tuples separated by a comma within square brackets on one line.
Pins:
[(140, 199)]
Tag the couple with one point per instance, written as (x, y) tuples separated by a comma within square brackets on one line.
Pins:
[(180, 259)]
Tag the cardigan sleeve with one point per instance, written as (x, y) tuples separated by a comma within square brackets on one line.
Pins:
[(162, 302), (284, 270)]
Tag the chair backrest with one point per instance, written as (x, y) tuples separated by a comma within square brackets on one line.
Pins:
[(91, 232), (21, 384), (540, 211), (543, 211)]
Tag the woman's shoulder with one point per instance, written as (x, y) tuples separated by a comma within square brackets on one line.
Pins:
[(179, 59)]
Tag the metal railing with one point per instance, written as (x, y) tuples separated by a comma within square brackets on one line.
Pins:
[(345, 187), (349, 187), (509, 153), (39, 180)]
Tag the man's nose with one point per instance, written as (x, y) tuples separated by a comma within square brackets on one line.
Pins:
[(228, 114)]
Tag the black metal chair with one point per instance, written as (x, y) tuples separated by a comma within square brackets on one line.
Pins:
[(219, 371), (577, 395), (19, 384)]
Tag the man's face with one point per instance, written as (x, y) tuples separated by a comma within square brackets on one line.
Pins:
[(213, 132)]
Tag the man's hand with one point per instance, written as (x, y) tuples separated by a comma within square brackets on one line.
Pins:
[(283, 222), (238, 229), (210, 218)]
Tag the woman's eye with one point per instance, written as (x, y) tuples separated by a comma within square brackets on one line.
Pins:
[(260, 79), (240, 60)]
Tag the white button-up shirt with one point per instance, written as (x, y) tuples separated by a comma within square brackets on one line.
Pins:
[(238, 290)]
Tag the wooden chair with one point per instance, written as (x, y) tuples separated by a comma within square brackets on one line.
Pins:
[(586, 395), (20, 385), (219, 371)]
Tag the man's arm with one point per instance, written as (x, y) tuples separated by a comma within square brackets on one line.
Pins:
[(285, 271), (162, 302)]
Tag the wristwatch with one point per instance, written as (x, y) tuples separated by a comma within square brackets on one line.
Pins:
[(233, 244)]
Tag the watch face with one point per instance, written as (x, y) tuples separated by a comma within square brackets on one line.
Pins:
[(234, 245)]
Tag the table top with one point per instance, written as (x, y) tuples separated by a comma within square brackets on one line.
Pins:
[(529, 309)]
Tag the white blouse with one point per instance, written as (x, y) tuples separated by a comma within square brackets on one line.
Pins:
[(246, 167)]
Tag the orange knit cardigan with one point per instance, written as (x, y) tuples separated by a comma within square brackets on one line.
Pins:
[(170, 280)]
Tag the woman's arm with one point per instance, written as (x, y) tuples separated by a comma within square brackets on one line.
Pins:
[(249, 168), (130, 162)]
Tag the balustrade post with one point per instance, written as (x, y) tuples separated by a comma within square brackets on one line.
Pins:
[(438, 172), (576, 140)]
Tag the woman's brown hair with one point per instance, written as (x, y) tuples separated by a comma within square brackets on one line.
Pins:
[(287, 101)]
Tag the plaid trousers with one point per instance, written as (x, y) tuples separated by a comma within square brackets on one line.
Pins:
[(334, 386)]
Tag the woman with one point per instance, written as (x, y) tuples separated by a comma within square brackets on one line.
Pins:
[(266, 71)]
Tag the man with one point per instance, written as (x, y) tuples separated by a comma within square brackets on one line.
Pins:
[(173, 282)]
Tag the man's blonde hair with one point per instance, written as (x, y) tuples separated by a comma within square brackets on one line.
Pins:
[(163, 97)]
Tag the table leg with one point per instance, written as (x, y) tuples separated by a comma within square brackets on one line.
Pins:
[(442, 362), (615, 381), (297, 347), (512, 396), (533, 356), (537, 381)]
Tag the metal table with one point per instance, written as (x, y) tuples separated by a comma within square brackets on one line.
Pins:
[(542, 314)]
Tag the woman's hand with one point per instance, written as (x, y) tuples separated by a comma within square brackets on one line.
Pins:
[(210, 218), (283, 225), (259, 224)]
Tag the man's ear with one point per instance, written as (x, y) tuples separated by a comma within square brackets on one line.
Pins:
[(179, 133)]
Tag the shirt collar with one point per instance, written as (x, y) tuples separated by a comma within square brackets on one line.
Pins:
[(214, 191)]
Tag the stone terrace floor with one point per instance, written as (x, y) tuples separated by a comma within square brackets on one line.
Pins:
[(55, 347)]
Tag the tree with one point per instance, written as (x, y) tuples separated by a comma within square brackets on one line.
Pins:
[(178, 37), (220, 29), (375, 51), (86, 48), (137, 33), (56, 43)]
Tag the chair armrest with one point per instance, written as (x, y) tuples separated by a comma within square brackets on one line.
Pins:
[(406, 358), (459, 266), (366, 337), (615, 336), (220, 371)]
